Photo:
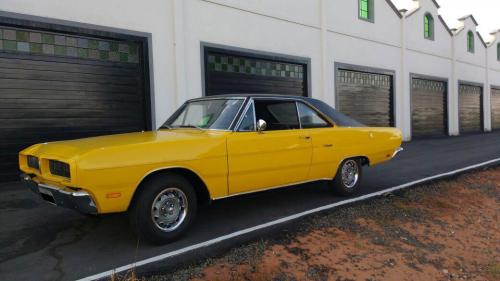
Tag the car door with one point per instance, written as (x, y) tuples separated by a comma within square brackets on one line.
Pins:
[(280, 155), (325, 139)]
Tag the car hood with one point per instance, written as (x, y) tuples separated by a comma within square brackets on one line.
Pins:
[(75, 148)]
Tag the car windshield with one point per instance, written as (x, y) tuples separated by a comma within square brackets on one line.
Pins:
[(214, 114)]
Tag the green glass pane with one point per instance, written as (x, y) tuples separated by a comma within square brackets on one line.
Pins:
[(94, 54), (103, 55), (36, 48), (60, 50), (70, 41), (48, 38), (113, 46), (132, 48), (218, 59), (22, 36), (1, 44), (114, 56), (10, 45), (93, 44), (83, 53), (123, 57), (1, 34)]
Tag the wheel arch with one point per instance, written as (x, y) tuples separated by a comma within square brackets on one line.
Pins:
[(201, 189)]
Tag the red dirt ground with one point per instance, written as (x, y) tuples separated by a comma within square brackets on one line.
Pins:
[(449, 230)]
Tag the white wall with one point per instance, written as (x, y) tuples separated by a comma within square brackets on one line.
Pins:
[(325, 31)]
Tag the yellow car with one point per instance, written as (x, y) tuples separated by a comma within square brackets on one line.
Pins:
[(211, 148)]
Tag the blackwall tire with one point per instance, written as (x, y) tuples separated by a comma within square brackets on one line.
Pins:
[(348, 177), (163, 209)]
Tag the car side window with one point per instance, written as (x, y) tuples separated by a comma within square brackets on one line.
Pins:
[(309, 118), (248, 122), (278, 114)]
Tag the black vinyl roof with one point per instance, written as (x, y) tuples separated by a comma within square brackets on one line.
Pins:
[(337, 117)]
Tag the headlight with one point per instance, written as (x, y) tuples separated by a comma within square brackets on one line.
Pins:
[(59, 168), (33, 162)]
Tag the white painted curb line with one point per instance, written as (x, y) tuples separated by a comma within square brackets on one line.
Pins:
[(278, 221)]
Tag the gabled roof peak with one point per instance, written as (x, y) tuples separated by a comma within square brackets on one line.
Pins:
[(469, 16)]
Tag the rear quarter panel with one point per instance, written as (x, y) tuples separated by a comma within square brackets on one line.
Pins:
[(376, 144)]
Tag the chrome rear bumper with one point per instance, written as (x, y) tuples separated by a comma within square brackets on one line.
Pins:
[(77, 200), (397, 151)]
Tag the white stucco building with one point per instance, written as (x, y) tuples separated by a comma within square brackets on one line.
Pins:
[(75, 68)]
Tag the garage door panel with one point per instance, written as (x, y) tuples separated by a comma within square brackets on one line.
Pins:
[(130, 122), (366, 97), (62, 133), (428, 103), (7, 94), (67, 64), (14, 114), (68, 87), (470, 108), (495, 109), (66, 77), (229, 73), (63, 85)]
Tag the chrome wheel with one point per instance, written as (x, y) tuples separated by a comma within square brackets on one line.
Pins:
[(169, 209), (350, 173)]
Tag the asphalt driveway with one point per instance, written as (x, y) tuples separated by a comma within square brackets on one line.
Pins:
[(42, 242)]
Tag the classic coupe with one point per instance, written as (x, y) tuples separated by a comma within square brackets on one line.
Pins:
[(210, 148)]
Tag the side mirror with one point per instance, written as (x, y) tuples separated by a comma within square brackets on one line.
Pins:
[(261, 125)]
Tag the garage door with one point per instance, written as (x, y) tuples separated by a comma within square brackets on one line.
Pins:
[(428, 103), (366, 97), (55, 86), (470, 109), (230, 73), (495, 109)]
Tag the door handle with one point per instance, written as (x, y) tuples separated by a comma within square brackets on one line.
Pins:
[(305, 137), (328, 145)]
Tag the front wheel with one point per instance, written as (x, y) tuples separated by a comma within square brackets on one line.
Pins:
[(348, 177), (163, 209)]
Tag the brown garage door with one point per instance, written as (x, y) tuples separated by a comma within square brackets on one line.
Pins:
[(56, 86), (366, 97), (228, 72), (470, 108), (495, 109), (428, 103)]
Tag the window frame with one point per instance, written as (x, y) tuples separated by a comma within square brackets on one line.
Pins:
[(370, 11), (250, 105), (498, 51), (319, 114), (429, 26), (471, 44)]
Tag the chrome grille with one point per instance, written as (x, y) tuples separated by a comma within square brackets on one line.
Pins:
[(59, 168), (33, 162)]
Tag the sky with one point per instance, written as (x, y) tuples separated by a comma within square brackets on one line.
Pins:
[(486, 12)]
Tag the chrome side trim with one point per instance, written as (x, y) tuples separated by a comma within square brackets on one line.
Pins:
[(271, 188)]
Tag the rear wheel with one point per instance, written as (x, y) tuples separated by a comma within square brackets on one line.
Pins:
[(164, 208), (348, 177)]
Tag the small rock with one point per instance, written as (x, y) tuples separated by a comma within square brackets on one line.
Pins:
[(445, 271)]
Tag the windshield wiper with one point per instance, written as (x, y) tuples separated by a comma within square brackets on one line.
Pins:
[(166, 127)]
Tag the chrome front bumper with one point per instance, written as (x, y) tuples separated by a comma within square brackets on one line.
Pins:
[(77, 200)]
